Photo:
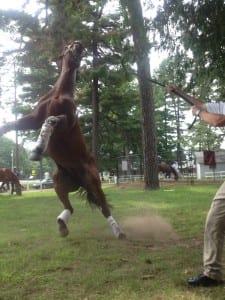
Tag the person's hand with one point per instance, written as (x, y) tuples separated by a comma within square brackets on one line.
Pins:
[(171, 88), (196, 110)]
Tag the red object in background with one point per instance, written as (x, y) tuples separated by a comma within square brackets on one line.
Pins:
[(209, 158)]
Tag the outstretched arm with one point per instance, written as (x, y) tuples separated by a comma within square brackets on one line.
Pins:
[(199, 108), (216, 120), (190, 99)]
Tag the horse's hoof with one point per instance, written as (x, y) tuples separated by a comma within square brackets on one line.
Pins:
[(63, 230), (122, 236), (36, 154)]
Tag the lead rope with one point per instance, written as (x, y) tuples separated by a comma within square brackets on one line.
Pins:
[(163, 85)]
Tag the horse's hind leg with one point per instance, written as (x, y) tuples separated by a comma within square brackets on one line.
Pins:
[(102, 204), (62, 190), (96, 196)]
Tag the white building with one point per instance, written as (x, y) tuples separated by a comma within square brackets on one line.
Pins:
[(209, 171)]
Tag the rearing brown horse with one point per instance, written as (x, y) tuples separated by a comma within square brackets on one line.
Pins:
[(62, 138), (8, 177)]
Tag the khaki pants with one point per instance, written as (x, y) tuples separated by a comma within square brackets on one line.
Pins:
[(214, 236)]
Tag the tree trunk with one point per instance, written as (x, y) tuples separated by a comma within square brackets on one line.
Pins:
[(146, 95), (95, 107)]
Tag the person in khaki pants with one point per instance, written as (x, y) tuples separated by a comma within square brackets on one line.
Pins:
[(214, 235)]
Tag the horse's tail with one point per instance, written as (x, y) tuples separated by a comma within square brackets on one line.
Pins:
[(175, 173)]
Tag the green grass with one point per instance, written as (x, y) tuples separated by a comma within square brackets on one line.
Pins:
[(35, 263)]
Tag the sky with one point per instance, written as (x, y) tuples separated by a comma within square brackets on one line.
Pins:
[(17, 4)]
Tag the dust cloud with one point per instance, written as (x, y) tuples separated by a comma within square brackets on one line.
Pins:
[(149, 227)]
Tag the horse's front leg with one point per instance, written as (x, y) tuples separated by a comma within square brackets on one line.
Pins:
[(28, 122), (44, 136)]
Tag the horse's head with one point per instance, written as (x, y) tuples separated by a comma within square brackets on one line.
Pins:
[(72, 54)]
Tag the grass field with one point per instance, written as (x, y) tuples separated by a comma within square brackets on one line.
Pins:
[(163, 247)]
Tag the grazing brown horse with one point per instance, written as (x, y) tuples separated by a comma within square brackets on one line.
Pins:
[(167, 170), (62, 138), (7, 177)]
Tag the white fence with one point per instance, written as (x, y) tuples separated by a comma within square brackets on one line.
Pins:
[(130, 178), (218, 174), (125, 179), (27, 184)]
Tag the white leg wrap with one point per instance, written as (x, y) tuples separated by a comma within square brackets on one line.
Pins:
[(65, 216), (45, 133), (115, 227)]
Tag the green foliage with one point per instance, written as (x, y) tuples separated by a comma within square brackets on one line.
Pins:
[(8, 153), (193, 32), (198, 26), (42, 41), (8, 148), (182, 71), (196, 64), (170, 111), (5, 152), (211, 139)]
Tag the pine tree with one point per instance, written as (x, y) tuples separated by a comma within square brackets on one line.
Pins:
[(141, 47)]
